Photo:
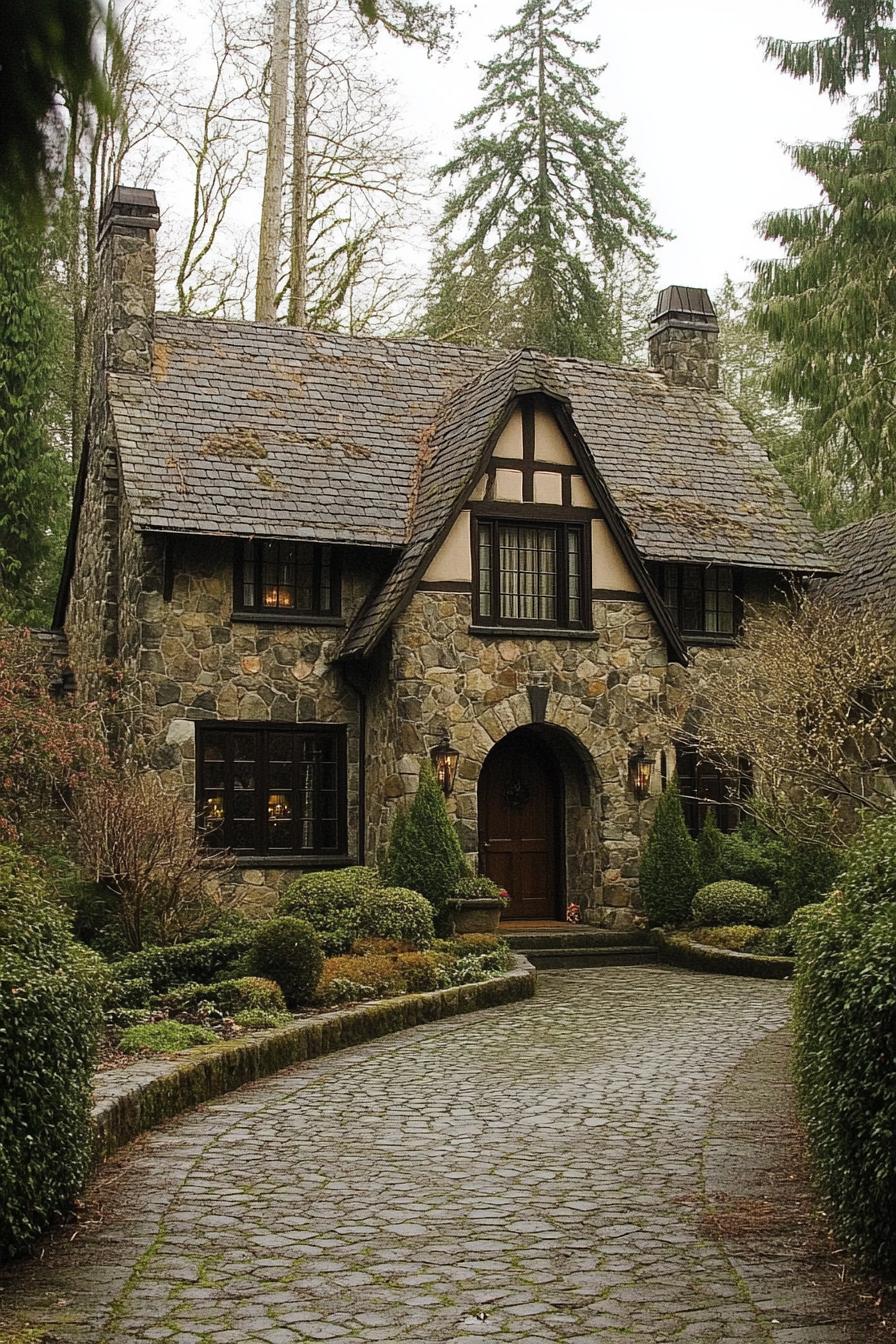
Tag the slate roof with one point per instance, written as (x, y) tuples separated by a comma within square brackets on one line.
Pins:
[(865, 555), (248, 429)]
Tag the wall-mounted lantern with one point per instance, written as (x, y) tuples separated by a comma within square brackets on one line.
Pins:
[(445, 758), (640, 768)]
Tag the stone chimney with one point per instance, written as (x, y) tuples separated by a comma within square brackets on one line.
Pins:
[(684, 338), (126, 255)]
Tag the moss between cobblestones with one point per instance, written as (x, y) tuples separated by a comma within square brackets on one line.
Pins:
[(211, 1071), (678, 949)]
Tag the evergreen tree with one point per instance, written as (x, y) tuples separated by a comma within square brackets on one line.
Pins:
[(710, 850), (32, 468), (544, 197), (669, 876), (829, 305), (424, 850)]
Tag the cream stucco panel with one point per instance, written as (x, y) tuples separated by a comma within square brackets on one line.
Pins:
[(453, 561), (509, 485), (479, 489), (580, 494), (550, 442), (548, 487), (510, 442), (608, 566)]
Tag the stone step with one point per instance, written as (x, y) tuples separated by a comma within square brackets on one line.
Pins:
[(570, 958), (576, 937)]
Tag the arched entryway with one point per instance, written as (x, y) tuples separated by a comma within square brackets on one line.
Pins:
[(522, 812)]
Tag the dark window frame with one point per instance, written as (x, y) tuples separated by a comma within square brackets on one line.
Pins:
[(706, 785), (320, 552), (675, 592), (562, 521), (263, 835)]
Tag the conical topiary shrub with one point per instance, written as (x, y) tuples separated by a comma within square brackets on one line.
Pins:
[(711, 851), (669, 874), (424, 850)]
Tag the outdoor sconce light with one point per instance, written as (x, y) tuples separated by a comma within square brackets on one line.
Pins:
[(640, 768), (445, 759)]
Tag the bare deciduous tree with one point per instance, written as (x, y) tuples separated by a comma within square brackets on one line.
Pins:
[(809, 698), (275, 165), (140, 842)]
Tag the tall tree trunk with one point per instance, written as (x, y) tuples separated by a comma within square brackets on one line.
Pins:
[(272, 198), (541, 277), (298, 260)]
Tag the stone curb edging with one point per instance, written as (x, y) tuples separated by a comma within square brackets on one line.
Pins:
[(678, 949), (165, 1088)]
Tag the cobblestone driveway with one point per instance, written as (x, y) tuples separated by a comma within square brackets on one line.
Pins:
[(531, 1173)]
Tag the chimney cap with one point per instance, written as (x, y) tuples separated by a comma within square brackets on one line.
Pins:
[(685, 306), (131, 208)]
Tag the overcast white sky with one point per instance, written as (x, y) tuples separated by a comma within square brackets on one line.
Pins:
[(708, 119)]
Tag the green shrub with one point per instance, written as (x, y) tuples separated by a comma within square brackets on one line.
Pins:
[(775, 942), (227, 996), (51, 995), (288, 950), (329, 902), (128, 994), (732, 903), (669, 876), (346, 979), (752, 855), (469, 969), (425, 853), (396, 913), (736, 937), (421, 972), (161, 1038), (258, 1019), (469, 944), (809, 872), (196, 962), (711, 851), (845, 1045)]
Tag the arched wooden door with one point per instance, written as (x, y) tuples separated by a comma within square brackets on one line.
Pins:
[(520, 808)]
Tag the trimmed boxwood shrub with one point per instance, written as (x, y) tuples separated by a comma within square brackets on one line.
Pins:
[(845, 1045), (288, 950), (164, 1037), (329, 902), (51, 993), (733, 903), (396, 913), (669, 876), (196, 962)]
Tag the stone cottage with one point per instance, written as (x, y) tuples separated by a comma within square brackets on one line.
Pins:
[(320, 559)]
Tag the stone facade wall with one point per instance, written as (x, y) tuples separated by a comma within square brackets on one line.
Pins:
[(602, 691), (688, 356), (188, 660)]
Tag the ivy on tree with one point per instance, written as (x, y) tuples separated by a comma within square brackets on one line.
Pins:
[(544, 201), (829, 305), (32, 469)]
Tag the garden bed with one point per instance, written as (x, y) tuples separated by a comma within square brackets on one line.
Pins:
[(681, 950), (140, 1096)]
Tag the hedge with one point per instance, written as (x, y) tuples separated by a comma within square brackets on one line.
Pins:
[(845, 1045), (185, 963), (51, 993)]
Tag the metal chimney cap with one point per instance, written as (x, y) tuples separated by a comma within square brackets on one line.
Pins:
[(685, 306)]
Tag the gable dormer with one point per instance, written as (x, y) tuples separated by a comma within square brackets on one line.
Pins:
[(532, 542)]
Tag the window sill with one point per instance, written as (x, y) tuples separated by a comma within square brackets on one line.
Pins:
[(293, 861), (724, 641), (530, 632), (278, 618)]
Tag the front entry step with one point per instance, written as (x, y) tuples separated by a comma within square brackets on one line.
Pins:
[(562, 947)]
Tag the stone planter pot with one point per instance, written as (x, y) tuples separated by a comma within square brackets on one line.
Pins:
[(476, 916)]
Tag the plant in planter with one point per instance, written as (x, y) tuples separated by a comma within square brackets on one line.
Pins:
[(477, 905)]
